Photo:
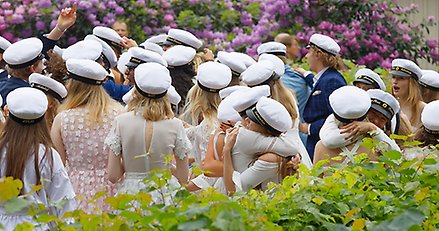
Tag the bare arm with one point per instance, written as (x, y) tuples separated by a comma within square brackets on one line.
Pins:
[(181, 170), (115, 167), (213, 166), (55, 134), (228, 163), (66, 19)]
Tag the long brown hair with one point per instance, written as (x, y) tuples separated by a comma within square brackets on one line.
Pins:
[(284, 96), (92, 97), (414, 99), (21, 143)]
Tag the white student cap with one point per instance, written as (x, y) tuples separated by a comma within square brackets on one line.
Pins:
[(384, 102), (235, 64), (152, 47), (152, 80), (349, 104), (123, 60), (213, 76), (247, 59), (173, 95), (23, 53), (48, 85), (367, 76), (259, 73), (139, 56), (429, 117), (178, 56), (324, 43), (109, 36), (248, 98), (271, 114), (182, 37), (26, 105), (4, 44), (430, 79), (107, 51), (158, 39), (226, 111), (85, 49), (58, 50), (274, 48), (279, 65), (229, 90), (86, 71), (405, 68)]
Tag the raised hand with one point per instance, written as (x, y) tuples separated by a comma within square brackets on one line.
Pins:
[(66, 18)]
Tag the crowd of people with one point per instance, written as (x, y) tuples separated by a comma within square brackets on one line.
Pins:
[(102, 113)]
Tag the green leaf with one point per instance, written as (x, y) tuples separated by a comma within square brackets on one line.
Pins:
[(430, 161), (16, 204), (403, 221), (393, 155), (197, 224)]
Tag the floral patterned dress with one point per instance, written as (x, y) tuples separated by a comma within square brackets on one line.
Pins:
[(86, 159)]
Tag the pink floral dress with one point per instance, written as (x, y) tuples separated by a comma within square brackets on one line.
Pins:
[(86, 159)]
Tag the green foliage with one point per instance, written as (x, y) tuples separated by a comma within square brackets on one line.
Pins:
[(392, 194)]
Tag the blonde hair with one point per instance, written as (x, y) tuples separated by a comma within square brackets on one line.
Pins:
[(328, 60), (284, 96), (92, 97), (414, 99), (201, 105), (153, 109)]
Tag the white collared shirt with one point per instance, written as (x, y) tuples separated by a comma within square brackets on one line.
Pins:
[(318, 75)]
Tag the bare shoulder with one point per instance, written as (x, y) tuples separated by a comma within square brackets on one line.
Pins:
[(269, 157)]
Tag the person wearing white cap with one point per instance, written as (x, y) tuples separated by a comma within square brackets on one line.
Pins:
[(270, 119), (4, 44), (111, 37), (55, 91), (152, 47), (79, 130), (234, 63), (429, 83), (41, 165), (158, 39), (201, 107), (428, 133), (181, 66), (184, 38), (113, 84), (367, 79), (382, 121), (359, 104), (139, 56), (323, 57), (405, 87), (149, 127)]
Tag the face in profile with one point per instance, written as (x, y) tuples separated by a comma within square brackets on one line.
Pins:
[(364, 86), (377, 118)]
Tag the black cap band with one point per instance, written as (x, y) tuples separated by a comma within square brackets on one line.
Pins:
[(273, 76), (431, 131), (47, 91), (428, 86), (187, 65), (343, 120), (384, 105), (208, 89), (233, 72), (25, 121), (312, 44), (254, 115), (2, 50), (113, 44), (406, 71), (84, 79), (148, 95), (26, 64), (368, 79), (280, 53), (178, 42)]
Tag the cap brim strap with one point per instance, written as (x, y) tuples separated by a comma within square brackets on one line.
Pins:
[(112, 44), (178, 42), (207, 88), (428, 86), (384, 105), (26, 64), (254, 115), (25, 121), (369, 80), (280, 53), (148, 95), (343, 120), (431, 131), (187, 65), (405, 71), (47, 91), (84, 79)]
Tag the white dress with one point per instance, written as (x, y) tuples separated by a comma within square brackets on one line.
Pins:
[(56, 188), (199, 136), (131, 134)]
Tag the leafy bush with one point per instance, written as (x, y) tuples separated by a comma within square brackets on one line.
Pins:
[(394, 194), (370, 32)]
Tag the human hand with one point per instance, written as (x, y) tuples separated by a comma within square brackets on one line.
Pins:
[(208, 54), (66, 18), (230, 139), (128, 43), (357, 128), (300, 70), (303, 127)]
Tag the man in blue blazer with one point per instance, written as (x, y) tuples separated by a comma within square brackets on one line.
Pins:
[(324, 59)]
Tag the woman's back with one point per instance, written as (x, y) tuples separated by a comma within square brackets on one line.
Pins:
[(133, 134)]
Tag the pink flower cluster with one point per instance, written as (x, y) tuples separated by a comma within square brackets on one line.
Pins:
[(370, 32)]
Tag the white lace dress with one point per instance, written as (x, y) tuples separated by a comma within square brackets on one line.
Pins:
[(130, 137), (86, 159), (199, 136), (56, 188)]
